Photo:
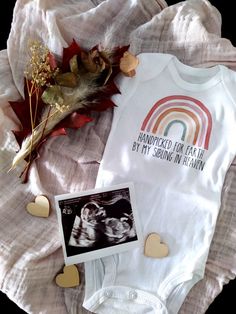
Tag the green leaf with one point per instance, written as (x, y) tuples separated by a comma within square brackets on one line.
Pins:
[(53, 96)]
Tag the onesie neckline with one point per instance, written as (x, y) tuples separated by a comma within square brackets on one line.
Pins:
[(176, 68)]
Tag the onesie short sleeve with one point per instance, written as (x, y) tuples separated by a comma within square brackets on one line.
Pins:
[(229, 81), (144, 72)]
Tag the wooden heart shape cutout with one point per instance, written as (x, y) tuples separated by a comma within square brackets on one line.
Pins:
[(40, 208), (69, 278), (128, 64), (154, 247)]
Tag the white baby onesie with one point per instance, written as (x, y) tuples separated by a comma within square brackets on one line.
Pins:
[(173, 136)]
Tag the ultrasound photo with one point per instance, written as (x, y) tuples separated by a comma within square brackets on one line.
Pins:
[(97, 223)]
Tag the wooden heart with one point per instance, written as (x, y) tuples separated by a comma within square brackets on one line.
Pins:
[(128, 64), (154, 247), (69, 278), (40, 208)]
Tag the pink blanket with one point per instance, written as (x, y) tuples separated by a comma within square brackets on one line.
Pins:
[(30, 248)]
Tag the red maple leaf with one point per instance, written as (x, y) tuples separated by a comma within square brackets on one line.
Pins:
[(22, 111), (68, 53)]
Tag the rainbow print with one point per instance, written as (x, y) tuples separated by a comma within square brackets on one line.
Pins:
[(192, 117)]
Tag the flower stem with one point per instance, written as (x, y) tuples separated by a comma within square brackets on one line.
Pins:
[(36, 106), (30, 90), (46, 120)]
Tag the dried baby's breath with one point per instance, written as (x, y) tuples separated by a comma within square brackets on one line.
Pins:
[(38, 70)]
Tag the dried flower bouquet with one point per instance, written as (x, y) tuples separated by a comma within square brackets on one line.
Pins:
[(62, 95)]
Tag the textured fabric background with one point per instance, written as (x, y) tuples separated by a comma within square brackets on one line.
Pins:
[(30, 249)]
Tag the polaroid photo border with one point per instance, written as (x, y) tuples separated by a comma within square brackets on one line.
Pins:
[(73, 255)]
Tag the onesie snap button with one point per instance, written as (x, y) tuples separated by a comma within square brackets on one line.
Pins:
[(133, 295), (108, 294)]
